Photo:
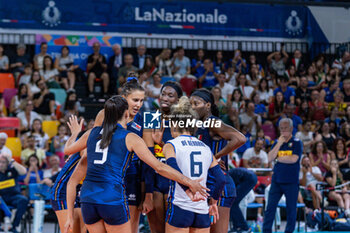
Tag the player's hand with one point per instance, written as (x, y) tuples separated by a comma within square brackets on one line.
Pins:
[(147, 205), (195, 196), (195, 186), (68, 227), (73, 124), (213, 211), (157, 135), (222, 165)]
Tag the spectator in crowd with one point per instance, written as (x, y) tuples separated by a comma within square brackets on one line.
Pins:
[(139, 60), (342, 64), (163, 62), (306, 136), (285, 179), (40, 137), (97, 68), (70, 109), (181, 64), (261, 135), (309, 176), (219, 101), (303, 110), (44, 102), (325, 135), (288, 92), (4, 149), (320, 157), (126, 69), (10, 171), (209, 77), (236, 102), (114, 63), (31, 149), (251, 119), (54, 164), (252, 61), (72, 96), (34, 173), (20, 60), (277, 61), (276, 107), (345, 133), (297, 62), (346, 90), (302, 92), (255, 157), (4, 61), (153, 90), (197, 64), (289, 110), (238, 62), (338, 103), (260, 108), (219, 64), (341, 155), (318, 108), (328, 92), (264, 91), (2, 106), (18, 101), (291, 75), (253, 76), (27, 74), (50, 74), (243, 85), (39, 58), (32, 84), (59, 141), (27, 117), (149, 67), (226, 88), (64, 63), (231, 76), (335, 178)]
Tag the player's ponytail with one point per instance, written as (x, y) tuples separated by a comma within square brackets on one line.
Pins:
[(115, 108), (131, 85), (182, 111)]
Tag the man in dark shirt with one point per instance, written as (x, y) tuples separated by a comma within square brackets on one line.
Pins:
[(114, 63), (302, 93), (44, 102), (19, 60), (10, 190), (139, 60), (97, 68)]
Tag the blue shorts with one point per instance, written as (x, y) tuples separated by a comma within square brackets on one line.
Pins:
[(62, 204), (228, 195), (133, 189), (110, 214), (161, 184), (181, 218)]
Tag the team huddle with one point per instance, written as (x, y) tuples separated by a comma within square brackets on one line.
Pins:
[(175, 175)]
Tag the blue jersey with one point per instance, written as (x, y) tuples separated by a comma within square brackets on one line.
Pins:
[(135, 126), (59, 189), (288, 173), (106, 168)]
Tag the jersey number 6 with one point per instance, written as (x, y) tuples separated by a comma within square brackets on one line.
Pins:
[(103, 151), (196, 167)]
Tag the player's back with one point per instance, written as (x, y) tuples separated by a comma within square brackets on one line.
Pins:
[(106, 168), (194, 159)]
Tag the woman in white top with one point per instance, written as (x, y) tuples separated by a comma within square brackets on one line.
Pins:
[(64, 63), (244, 86), (41, 138), (32, 84), (4, 61), (264, 91), (27, 117), (163, 62), (50, 74), (18, 101)]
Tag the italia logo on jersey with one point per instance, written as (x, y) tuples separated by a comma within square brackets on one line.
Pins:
[(136, 126)]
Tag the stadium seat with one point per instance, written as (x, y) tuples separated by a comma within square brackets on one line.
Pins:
[(9, 125), (60, 96), (269, 130), (50, 128), (8, 94), (15, 145), (7, 81), (188, 85)]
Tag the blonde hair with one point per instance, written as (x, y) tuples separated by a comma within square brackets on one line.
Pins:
[(183, 111)]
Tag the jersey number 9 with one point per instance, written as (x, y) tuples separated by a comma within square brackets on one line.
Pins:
[(196, 167), (103, 151)]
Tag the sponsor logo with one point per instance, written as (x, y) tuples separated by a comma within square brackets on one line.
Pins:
[(51, 15), (132, 197), (294, 24), (152, 120)]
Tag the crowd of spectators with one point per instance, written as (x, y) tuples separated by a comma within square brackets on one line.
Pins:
[(251, 95)]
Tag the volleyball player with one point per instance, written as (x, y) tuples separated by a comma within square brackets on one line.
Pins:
[(109, 149), (169, 95), (193, 158), (222, 140)]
